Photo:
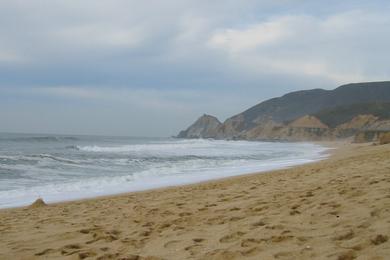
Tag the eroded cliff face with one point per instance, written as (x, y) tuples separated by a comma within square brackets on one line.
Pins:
[(378, 131), (303, 128), (363, 128), (358, 123), (232, 128), (267, 130), (205, 127)]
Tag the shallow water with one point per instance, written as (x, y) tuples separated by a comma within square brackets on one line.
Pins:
[(59, 168)]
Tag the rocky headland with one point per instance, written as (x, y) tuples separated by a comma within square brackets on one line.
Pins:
[(360, 111)]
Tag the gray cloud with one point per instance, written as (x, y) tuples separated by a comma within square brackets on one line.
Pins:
[(159, 64)]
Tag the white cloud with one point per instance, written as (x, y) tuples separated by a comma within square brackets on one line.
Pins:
[(344, 47), (267, 33), (341, 47)]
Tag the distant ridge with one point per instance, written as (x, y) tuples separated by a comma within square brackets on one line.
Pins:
[(319, 107)]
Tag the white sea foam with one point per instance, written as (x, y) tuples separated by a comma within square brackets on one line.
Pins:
[(153, 147)]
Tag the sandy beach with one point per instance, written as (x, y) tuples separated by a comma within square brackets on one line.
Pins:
[(338, 208)]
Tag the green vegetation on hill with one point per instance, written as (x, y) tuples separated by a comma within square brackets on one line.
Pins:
[(305, 102), (335, 116)]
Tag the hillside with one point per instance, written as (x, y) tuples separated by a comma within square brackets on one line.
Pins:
[(323, 108), (341, 114), (307, 102)]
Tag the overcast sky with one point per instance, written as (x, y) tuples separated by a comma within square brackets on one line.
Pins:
[(150, 68)]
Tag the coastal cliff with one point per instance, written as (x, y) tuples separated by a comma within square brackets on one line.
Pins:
[(205, 127), (347, 111)]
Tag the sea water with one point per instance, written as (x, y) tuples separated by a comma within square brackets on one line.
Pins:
[(58, 168)]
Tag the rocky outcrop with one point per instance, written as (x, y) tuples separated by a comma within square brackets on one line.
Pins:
[(352, 127), (205, 127), (233, 128), (363, 128), (307, 128), (373, 132), (379, 125), (267, 130), (303, 115), (308, 121), (369, 136), (359, 122), (303, 128)]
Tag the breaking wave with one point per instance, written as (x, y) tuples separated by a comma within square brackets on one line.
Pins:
[(60, 168)]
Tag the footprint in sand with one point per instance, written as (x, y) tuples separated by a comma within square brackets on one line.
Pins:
[(198, 240), (250, 242), (259, 223), (145, 233), (172, 244), (107, 236), (185, 214), (70, 249), (83, 255), (44, 252), (345, 235), (221, 254), (286, 255), (163, 226), (231, 237), (85, 231), (133, 242), (379, 239), (237, 218), (349, 255), (278, 239), (251, 252), (294, 212), (259, 209), (148, 224)]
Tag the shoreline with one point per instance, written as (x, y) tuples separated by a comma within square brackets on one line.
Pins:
[(334, 148), (329, 146), (335, 209)]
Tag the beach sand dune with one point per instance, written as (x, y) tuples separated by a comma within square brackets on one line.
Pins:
[(335, 209)]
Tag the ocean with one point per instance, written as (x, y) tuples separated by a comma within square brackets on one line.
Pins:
[(66, 167)]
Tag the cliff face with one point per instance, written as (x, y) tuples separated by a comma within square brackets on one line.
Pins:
[(303, 115), (358, 123), (377, 131), (205, 127), (303, 128)]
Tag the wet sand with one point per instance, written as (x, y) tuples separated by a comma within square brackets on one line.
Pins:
[(338, 208)]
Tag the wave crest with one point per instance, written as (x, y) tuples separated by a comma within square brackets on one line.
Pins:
[(44, 139)]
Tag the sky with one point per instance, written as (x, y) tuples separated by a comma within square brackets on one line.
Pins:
[(150, 68)]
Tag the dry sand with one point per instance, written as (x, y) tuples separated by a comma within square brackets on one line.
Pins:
[(335, 209)]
